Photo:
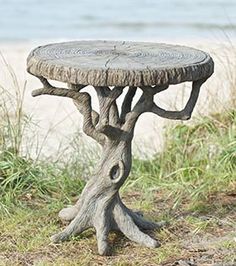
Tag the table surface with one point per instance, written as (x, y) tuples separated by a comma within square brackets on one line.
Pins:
[(116, 63)]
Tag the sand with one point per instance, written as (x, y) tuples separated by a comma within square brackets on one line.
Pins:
[(57, 120)]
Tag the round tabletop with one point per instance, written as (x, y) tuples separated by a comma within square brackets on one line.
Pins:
[(116, 63)]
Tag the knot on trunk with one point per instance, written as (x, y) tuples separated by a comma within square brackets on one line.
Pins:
[(117, 172)]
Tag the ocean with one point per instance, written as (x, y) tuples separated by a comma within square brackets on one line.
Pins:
[(22, 20)]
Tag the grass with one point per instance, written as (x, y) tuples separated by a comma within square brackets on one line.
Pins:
[(197, 161), (191, 184)]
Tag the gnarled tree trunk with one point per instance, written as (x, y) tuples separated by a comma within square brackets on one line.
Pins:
[(100, 205)]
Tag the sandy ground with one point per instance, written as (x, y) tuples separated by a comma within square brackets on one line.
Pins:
[(57, 119)]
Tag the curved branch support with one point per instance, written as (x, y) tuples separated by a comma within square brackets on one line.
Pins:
[(127, 103), (186, 113), (83, 103), (113, 113), (79, 87), (146, 104), (107, 104), (143, 105)]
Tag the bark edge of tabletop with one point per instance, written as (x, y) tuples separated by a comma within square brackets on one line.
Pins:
[(101, 66)]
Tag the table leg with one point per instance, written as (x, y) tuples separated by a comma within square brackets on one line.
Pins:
[(100, 205)]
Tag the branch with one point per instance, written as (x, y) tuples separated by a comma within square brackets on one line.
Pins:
[(79, 87), (186, 113), (146, 104), (148, 90), (113, 112), (109, 116), (143, 105), (57, 92), (83, 103), (127, 103)]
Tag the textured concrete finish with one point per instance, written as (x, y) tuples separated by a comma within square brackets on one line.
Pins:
[(109, 63), (152, 68)]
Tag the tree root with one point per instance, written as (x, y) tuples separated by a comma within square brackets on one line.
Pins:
[(116, 217)]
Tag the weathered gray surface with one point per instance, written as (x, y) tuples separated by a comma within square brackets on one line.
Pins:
[(100, 205), (109, 63)]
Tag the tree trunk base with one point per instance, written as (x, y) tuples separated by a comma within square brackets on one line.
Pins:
[(106, 217)]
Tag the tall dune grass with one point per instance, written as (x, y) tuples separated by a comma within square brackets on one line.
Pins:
[(21, 177), (13, 120)]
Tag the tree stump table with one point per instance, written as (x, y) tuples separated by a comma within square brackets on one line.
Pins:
[(109, 67)]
